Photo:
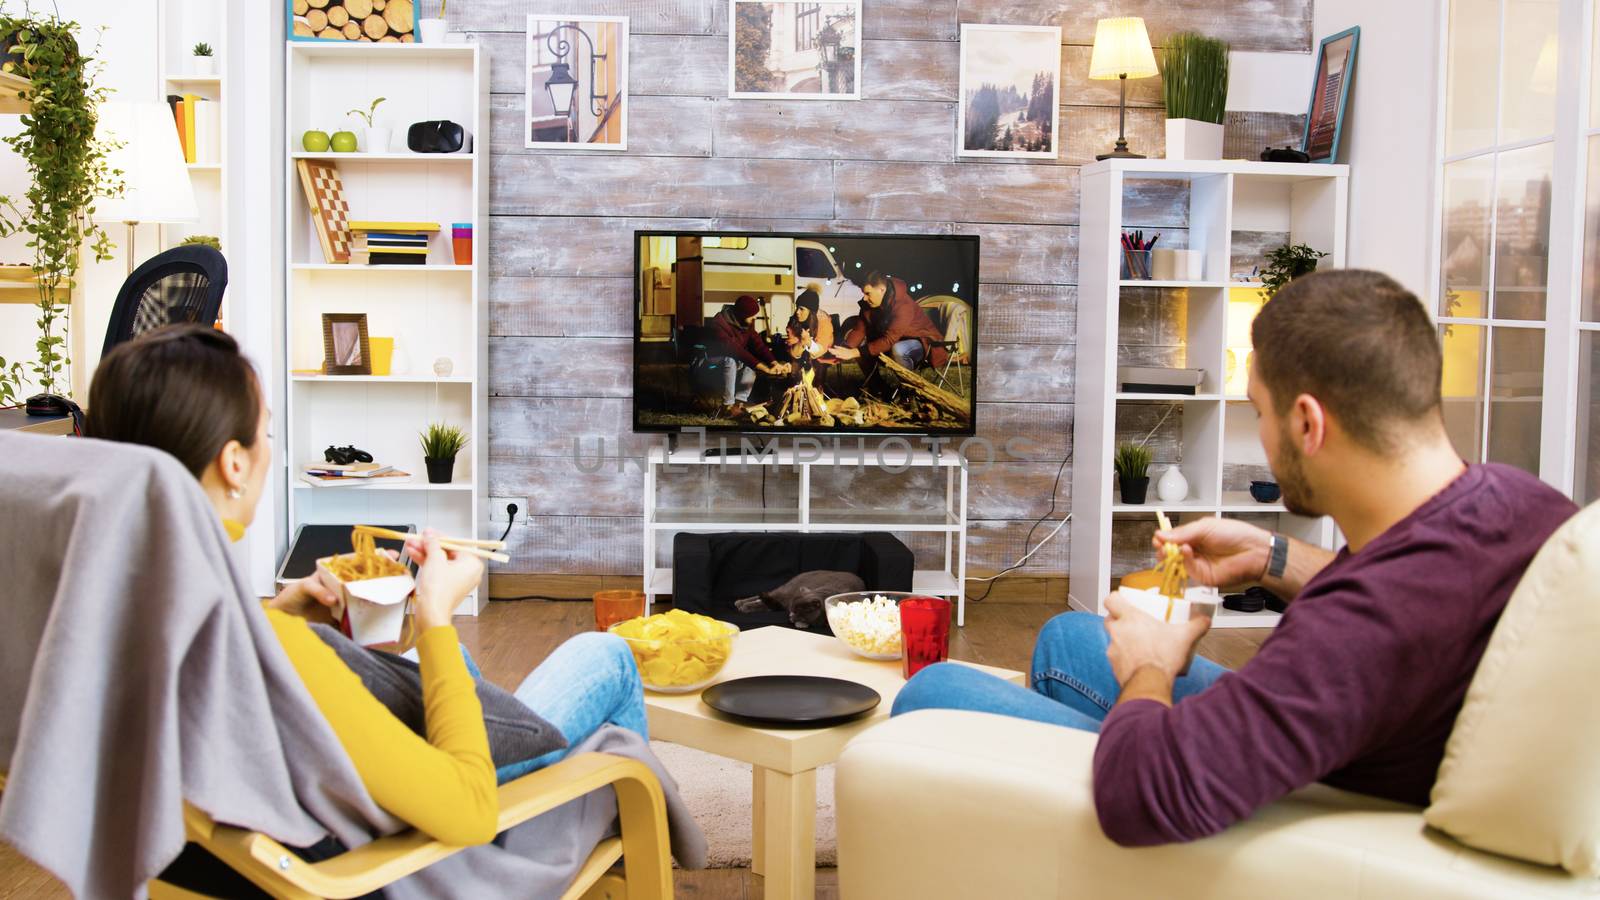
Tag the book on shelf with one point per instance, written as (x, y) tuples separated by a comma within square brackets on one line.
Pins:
[(352, 470), (199, 124), (396, 259), (369, 225), (316, 480)]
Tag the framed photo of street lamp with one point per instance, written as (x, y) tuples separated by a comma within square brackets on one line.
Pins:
[(790, 50), (577, 82), (1330, 93), (1009, 101)]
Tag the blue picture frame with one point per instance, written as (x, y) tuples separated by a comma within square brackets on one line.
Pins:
[(288, 26), (1325, 116)]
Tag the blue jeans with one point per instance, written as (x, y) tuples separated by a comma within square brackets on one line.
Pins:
[(738, 380), (589, 681), (907, 353), (1072, 683)]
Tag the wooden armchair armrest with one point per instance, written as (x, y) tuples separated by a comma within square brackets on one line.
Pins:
[(646, 855)]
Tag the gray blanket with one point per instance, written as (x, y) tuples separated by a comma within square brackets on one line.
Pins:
[(136, 671)]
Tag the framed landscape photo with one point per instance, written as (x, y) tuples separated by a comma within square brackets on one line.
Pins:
[(1330, 92), (788, 50), (1009, 103), (577, 82), (345, 348)]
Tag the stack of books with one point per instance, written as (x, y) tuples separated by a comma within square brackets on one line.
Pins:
[(332, 475), (390, 243), (199, 124)]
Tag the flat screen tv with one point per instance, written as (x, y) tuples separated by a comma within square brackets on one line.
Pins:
[(813, 333)]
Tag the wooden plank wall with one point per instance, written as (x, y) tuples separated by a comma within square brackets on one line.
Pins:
[(560, 255)]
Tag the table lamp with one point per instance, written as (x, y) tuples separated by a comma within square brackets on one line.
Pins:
[(156, 187), (1121, 51)]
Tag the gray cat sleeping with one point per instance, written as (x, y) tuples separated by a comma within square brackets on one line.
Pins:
[(801, 596)]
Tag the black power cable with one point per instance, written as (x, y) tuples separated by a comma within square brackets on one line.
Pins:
[(511, 516), (1026, 550)]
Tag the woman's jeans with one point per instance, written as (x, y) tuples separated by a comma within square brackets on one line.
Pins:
[(1072, 680), (589, 681)]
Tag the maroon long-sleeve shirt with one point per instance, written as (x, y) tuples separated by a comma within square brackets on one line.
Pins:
[(1359, 685)]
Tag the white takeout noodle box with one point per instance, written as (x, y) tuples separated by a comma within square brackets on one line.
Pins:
[(1197, 601), (371, 611)]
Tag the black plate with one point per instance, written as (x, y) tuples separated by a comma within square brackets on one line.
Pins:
[(803, 700)]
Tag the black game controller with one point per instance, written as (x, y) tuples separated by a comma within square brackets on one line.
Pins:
[(344, 456), (1284, 154)]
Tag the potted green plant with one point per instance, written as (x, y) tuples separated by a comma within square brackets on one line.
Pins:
[(1132, 464), (440, 444), (377, 138), (1287, 263), (207, 240), (205, 62), (1194, 78), (66, 162)]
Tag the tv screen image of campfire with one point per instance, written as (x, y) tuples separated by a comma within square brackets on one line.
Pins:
[(751, 332)]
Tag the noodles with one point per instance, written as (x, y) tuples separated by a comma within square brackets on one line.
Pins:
[(1174, 577), (365, 563)]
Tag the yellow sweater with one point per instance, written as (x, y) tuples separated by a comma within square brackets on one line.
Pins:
[(445, 785)]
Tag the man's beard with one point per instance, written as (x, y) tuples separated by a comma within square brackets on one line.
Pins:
[(1298, 495)]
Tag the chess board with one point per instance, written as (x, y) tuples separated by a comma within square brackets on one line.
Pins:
[(330, 212)]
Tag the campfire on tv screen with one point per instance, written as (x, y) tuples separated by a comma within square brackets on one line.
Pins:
[(814, 333)]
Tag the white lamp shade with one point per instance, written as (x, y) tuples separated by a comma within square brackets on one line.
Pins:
[(1122, 47), (156, 185)]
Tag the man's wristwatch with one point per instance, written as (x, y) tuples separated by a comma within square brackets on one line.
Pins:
[(1277, 556)]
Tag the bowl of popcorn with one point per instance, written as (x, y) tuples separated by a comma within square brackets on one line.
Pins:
[(677, 652), (868, 622)]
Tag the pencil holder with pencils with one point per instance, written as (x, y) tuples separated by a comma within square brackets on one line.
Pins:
[(1136, 255)]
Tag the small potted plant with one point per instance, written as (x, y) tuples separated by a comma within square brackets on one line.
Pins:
[(1287, 263), (377, 138), (1132, 464), (440, 444), (431, 30), (205, 63), (208, 240), (1194, 78)]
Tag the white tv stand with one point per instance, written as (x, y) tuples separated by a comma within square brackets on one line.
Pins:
[(951, 520)]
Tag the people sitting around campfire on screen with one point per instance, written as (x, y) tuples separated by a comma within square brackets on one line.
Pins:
[(891, 322), (809, 331), (744, 352)]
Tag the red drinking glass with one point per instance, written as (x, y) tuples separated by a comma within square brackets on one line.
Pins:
[(611, 607), (924, 632)]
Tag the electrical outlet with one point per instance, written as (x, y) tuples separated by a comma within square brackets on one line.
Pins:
[(497, 508)]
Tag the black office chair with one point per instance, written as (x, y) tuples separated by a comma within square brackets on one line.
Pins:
[(184, 284)]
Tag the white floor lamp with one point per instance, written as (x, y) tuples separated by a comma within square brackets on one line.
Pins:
[(156, 187)]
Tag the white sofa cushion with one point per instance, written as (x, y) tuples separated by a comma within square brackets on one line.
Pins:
[(1521, 772)]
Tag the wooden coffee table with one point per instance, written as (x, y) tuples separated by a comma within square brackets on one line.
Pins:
[(784, 761)]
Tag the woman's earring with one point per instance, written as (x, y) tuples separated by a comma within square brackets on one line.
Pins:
[(234, 493)]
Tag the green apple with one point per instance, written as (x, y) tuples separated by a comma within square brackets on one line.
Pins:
[(344, 142), (315, 141)]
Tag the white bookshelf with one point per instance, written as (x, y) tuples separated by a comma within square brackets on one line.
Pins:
[(1310, 204), (184, 23), (436, 310)]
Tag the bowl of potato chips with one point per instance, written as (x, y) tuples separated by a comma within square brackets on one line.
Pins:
[(677, 652)]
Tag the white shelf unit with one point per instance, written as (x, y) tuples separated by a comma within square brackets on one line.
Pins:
[(950, 521), (431, 311), (184, 23), (1309, 203)]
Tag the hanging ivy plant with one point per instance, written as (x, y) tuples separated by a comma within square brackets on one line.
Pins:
[(68, 167)]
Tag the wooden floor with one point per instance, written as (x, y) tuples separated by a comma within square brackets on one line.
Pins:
[(510, 638)]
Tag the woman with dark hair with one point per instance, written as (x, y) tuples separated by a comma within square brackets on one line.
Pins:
[(809, 330), (187, 390)]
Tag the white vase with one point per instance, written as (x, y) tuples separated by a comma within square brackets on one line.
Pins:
[(1193, 139), (442, 367), (378, 139), (430, 31), (205, 66), (1172, 487)]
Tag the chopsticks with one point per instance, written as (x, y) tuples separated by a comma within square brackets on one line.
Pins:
[(469, 546)]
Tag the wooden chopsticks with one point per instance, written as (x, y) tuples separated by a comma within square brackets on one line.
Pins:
[(469, 546)]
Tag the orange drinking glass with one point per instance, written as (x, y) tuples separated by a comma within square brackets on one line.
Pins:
[(611, 607)]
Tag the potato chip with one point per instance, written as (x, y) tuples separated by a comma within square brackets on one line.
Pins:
[(677, 649)]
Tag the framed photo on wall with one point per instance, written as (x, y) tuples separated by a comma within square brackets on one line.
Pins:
[(1009, 102), (791, 50), (577, 82), (345, 348), (395, 22), (1330, 92)]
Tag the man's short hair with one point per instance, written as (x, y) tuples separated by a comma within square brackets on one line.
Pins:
[(1358, 342)]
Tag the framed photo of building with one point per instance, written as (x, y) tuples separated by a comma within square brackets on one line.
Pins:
[(577, 82), (1010, 95), (1336, 64), (790, 50)]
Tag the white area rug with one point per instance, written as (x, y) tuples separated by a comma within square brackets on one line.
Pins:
[(717, 790)]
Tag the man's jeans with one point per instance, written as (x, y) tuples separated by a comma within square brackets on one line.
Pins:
[(907, 353), (738, 380), (1072, 680)]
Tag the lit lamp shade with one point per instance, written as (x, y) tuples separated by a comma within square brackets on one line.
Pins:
[(1121, 47), (156, 185)]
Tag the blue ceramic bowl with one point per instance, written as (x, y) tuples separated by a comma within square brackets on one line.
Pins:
[(1265, 491)]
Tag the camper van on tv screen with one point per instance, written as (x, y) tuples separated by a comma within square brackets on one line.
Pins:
[(816, 333)]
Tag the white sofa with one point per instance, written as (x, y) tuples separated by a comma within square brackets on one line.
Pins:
[(942, 803)]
